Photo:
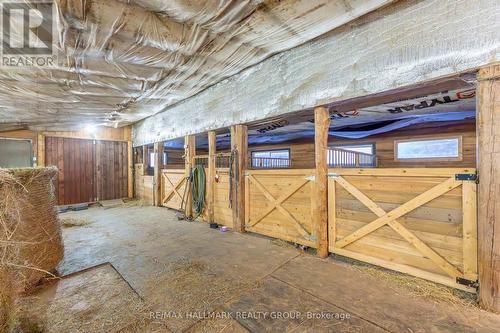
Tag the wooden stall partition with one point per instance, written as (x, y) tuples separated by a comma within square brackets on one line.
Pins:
[(222, 211), (143, 185), (173, 186), (279, 204), (417, 221)]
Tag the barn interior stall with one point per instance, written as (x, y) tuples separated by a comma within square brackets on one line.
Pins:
[(415, 158)]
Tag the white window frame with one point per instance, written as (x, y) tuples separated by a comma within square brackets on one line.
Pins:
[(270, 151), (430, 159)]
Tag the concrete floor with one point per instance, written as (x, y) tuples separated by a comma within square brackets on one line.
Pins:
[(190, 278)]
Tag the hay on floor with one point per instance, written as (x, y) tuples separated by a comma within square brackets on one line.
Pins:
[(416, 286), (71, 221)]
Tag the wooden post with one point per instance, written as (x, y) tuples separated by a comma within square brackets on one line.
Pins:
[(158, 156), (130, 169), (189, 153), (212, 150), (488, 123), (145, 159), (239, 145), (40, 155), (320, 199)]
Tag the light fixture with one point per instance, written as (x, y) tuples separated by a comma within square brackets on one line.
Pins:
[(90, 129)]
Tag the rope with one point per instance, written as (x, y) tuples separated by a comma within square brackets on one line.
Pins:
[(198, 186)]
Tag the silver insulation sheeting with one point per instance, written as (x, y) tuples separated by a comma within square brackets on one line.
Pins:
[(120, 61), (403, 44)]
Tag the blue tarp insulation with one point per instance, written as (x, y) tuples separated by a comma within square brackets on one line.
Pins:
[(306, 130)]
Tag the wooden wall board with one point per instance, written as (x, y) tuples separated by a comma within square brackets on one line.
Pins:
[(302, 151), (75, 160), (143, 185), (112, 169), (173, 185), (436, 225), (280, 206)]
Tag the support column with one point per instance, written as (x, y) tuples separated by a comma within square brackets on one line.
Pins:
[(488, 125), (145, 159), (189, 153), (158, 163), (239, 146), (212, 151), (320, 209)]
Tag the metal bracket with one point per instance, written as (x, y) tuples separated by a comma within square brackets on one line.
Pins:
[(311, 178), (312, 238), (333, 175), (468, 283), (466, 176)]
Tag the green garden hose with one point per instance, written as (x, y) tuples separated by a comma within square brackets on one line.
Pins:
[(198, 186)]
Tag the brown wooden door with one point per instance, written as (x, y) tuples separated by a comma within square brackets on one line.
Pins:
[(76, 163), (111, 169)]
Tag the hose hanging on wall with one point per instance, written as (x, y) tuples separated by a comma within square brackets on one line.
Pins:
[(198, 187)]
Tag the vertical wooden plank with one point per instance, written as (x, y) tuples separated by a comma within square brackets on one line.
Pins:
[(40, 156), (99, 169), (469, 206), (332, 213), (189, 153), (158, 152), (247, 200), (488, 122), (145, 159), (212, 151), (322, 124), (239, 146), (60, 164), (130, 170)]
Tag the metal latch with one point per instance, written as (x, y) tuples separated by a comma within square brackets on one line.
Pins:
[(466, 176), (468, 283)]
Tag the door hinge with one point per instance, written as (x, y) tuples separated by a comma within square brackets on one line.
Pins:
[(467, 177), (468, 283)]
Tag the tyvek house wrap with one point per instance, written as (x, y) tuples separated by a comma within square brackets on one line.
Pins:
[(121, 61), (400, 45)]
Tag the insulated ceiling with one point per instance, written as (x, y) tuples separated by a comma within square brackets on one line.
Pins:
[(122, 61)]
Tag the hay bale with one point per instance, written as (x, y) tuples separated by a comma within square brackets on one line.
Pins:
[(30, 236), (36, 240)]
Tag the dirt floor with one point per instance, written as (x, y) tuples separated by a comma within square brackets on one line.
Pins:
[(139, 269)]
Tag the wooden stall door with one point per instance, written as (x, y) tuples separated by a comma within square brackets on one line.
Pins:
[(278, 204), (421, 222), (173, 185), (111, 169), (75, 160)]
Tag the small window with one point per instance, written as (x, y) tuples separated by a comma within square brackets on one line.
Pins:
[(362, 148), (151, 159), (165, 158), (270, 159), (431, 149), (352, 155)]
